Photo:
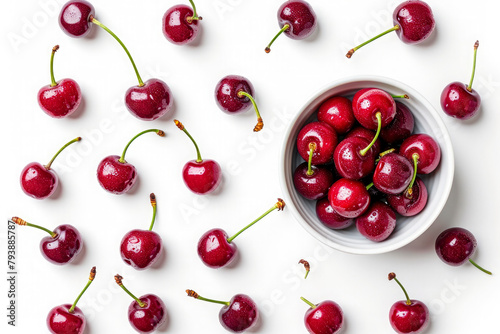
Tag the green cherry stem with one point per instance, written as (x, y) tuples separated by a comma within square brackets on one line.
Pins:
[(260, 122), (308, 303), (480, 268), (52, 79), (469, 87), (279, 205), (307, 267), (379, 127), (312, 148), (158, 132), (181, 127), (47, 166), (404, 96), (152, 198), (268, 47), (193, 294), (392, 276), (350, 52), (91, 279), (22, 222), (94, 20), (369, 186), (195, 16), (118, 280), (409, 190)]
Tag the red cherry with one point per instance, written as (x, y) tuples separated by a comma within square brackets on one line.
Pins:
[(74, 18), (337, 112), (323, 137), (401, 127), (237, 315), (368, 103), (150, 100), (180, 24), (354, 158), (329, 217), (423, 149), (67, 318), (40, 181), (378, 222), (368, 135), (393, 174), (407, 204), (200, 176), (349, 198), (59, 99), (324, 318), (115, 174)]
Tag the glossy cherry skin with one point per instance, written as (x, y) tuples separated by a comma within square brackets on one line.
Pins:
[(214, 250), (401, 127), (74, 18), (377, 223), (141, 248), (300, 16), (149, 102), (61, 321), (412, 318), (427, 149), (240, 315), (329, 217), (61, 100), (326, 318), (366, 103), (349, 198), (202, 177), (115, 176), (393, 174), (368, 135), (64, 247), (457, 101), (348, 159), (410, 205), (176, 27), (337, 112), (38, 181), (455, 246), (415, 20), (226, 94), (313, 186), (323, 136), (147, 319)]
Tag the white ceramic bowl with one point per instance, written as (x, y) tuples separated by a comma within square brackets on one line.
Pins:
[(438, 183)]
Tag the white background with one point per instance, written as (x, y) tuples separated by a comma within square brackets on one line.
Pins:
[(234, 34)]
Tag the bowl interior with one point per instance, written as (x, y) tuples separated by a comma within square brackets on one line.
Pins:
[(438, 183)]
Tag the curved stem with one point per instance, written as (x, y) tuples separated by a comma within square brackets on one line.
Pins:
[(260, 123), (279, 205), (480, 268), (118, 280), (22, 222), (158, 132), (152, 198), (409, 190), (379, 127), (195, 15), (91, 279), (469, 87), (93, 20), (268, 47), (47, 166), (193, 294), (369, 186), (308, 303), (181, 127), (312, 148), (350, 52), (52, 79), (393, 276)]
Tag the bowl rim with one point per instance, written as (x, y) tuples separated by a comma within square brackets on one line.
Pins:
[(448, 176)]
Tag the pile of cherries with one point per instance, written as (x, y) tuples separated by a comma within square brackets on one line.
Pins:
[(362, 162)]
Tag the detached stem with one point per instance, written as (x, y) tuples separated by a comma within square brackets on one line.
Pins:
[(152, 198), (118, 280), (181, 127), (350, 53), (312, 148), (260, 123), (279, 205), (469, 88), (379, 127), (22, 222), (480, 268), (93, 20), (268, 47), (47, 166), (193, 294), (52, 79), (91, 279), (158, 132), (308, 303)]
